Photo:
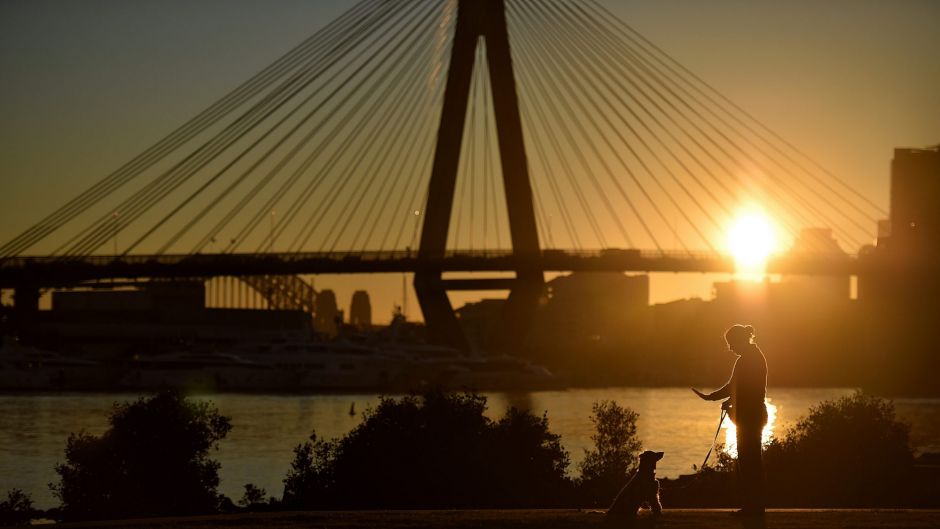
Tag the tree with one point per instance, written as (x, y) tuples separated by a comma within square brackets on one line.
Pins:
[(152, 461), (436, 451), (528, 462), (308, 478), (17, 509), (253, 495), (606, 468)]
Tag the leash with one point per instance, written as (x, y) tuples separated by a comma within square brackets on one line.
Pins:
[(724, 413)]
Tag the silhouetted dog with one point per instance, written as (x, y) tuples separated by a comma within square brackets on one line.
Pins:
[(642, 489)]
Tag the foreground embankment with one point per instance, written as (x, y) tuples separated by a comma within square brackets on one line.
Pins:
[(537, 519)]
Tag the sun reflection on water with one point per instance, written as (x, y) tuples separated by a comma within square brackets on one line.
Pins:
[(731, 439)]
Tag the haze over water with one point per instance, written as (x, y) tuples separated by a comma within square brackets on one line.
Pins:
[(266, 428)]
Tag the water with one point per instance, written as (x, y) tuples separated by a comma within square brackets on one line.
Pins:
[(33, 428)]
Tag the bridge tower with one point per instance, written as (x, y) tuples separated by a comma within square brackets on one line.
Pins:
[(476, 20)]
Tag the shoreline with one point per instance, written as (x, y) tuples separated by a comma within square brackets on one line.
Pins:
[(533, 518)]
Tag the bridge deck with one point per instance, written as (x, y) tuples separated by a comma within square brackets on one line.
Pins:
[(60, 271)]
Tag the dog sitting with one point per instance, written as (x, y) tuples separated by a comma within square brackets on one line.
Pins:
[(642, 489)]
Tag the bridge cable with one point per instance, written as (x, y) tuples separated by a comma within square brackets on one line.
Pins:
[(469, 154), (644, 65), (528, 119), (418, 168), (248, 171), (424, 22), (262, 212), (580, 90), (605, 14), (546, 126), (391, 139), (562, 49), (564, 103), (627, 123), (423, 167), (720, 203), (222, 223), (490, 152), (394, 176), (156, 152), (691, 196), (200, 157), (158, 189), (652, 72), (633, 176), (614, 91)]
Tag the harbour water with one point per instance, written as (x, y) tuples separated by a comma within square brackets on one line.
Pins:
[(266, 428)]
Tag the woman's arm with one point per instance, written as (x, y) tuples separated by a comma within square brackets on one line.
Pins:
[(723, 392)]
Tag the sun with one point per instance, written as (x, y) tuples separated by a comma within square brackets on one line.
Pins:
[(751, 239)]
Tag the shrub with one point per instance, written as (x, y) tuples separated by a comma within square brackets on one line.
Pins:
[(17, 509), (606, 468), (436, 451), (152, 461), (849, 452), (852, 452)]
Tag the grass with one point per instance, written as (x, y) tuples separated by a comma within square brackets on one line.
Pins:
[(537, 519)]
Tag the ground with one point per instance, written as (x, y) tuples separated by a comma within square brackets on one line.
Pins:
[(537, 519)]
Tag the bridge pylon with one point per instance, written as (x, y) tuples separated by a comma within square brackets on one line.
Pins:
[(476, 20)]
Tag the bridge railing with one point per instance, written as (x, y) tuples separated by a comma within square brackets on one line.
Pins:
[(26, 262)]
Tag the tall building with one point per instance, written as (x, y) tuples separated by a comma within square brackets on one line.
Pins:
[(915, 202), (905, 259), (325, 318), (360, 310), (899, 282)]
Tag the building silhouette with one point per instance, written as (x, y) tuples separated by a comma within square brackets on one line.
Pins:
[(360, 310), (151, 318), (324, 320), (899, 286), (595, 306)]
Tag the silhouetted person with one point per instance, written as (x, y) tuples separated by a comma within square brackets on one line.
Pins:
[(745, 392)]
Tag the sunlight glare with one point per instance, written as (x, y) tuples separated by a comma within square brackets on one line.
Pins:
[(751, 239), (731, 438)]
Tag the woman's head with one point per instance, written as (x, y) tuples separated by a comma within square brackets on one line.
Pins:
[(739, 336)]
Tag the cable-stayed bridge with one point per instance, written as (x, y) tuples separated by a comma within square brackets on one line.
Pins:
[(439, 136)]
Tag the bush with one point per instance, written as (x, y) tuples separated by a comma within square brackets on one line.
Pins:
[(436, 451), (152, 461), (606, 468), (17, 509), (852, 452)]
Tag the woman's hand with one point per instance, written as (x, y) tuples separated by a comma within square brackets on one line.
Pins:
[(700, 394)]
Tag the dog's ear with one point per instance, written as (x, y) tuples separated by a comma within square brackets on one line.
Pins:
[(659, 455)]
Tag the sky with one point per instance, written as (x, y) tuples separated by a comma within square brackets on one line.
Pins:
[(88, 85)]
